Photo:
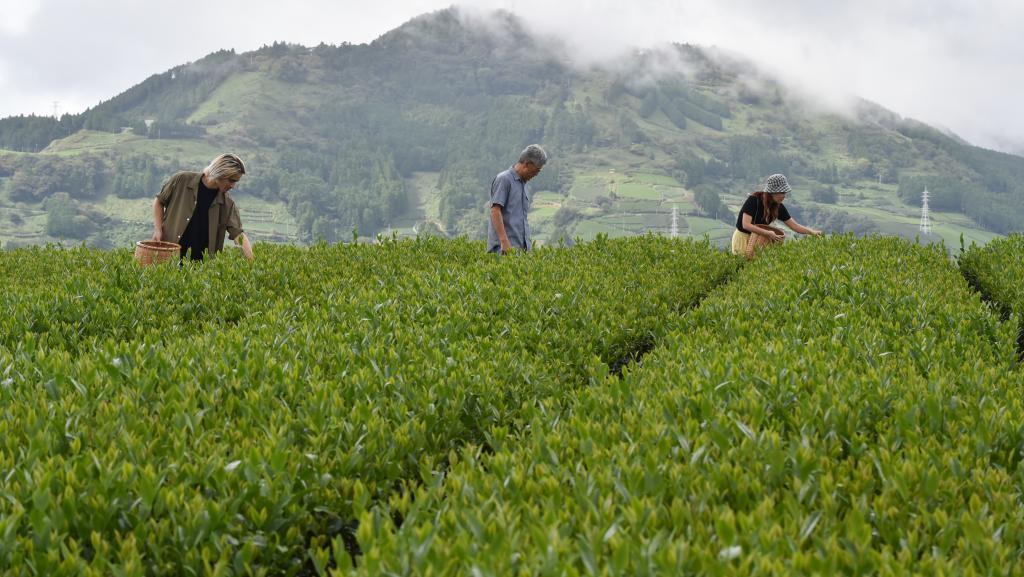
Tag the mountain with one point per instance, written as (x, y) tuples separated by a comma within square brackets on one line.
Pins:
[(403, 136)]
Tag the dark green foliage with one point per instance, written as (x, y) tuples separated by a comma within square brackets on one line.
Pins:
[(333, 194), (996, 211), (827, 174), (878, 146), (103, 120), (289, 68), (565, 216), (752, 158), (825, 194), (629, 131), (674, 114), (614, 91), (831, 220), (649, 104), (35, 178), (707, 199), (709, 104), (139, 176), (569, 130), (677, 99), (556, 177), (34, 133), (172, 129), (694, 112), (944, 193), (63, 219), (693, 170)]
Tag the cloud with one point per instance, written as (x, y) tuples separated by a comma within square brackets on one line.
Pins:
[(949, 63), (18, 16)]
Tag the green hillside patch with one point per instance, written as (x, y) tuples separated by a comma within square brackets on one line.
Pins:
[(266, 221), (424, 201), (589, 186), (717, 231), (656, 179), (91, 141), (543, 212), (189, 154), (637, 190), (240, 91), (547, 199), (674, 194), (590, 229), (255, 105)]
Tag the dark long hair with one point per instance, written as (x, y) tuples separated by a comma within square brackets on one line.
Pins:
[(771, 208)]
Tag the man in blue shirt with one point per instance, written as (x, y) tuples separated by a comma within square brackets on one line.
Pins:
[(508, 227)]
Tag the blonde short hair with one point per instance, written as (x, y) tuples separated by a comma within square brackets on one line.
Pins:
[(225, 166)]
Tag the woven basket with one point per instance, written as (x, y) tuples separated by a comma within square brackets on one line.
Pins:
[(757, 242), (149, 252)]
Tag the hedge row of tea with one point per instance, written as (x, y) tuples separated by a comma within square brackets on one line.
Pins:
[(843, 406), (997, 271), (229, 418)]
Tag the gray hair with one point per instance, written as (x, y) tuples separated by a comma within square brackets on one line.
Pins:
[(534, 155), (225, 166)]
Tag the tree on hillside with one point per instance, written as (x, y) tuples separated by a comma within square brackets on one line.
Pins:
[(63, 219), (707, 199), (649, 104), (825, 194)]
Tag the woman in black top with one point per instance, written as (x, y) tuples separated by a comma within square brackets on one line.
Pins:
[(760, 210)]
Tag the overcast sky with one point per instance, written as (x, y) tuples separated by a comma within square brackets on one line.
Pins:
[(952, 63)]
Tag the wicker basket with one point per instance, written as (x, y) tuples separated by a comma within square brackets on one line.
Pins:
[(757, 242), (149, 252)]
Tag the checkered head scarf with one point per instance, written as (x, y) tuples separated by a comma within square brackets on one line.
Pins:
[(776, 183)]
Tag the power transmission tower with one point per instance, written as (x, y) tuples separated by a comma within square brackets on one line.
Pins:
[(674, 231), (926, 221)]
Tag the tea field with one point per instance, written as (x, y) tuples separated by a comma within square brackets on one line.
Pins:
[(638, 406), (997, 272)]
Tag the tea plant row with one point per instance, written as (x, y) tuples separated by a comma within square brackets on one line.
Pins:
[(997, 271), (843, 406), (229, 418)]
